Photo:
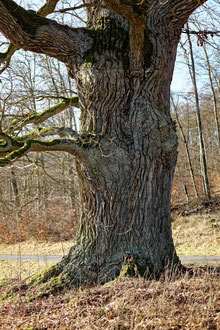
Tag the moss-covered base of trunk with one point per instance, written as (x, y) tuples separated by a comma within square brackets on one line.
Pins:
[(48, 281), (80, 268)]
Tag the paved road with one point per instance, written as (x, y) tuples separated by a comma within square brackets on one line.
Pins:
[(30, 257), (207, 260)]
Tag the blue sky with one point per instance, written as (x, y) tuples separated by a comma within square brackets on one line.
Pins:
[(209, 20)]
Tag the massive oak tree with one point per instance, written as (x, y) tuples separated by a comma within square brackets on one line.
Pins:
[(126, 151)]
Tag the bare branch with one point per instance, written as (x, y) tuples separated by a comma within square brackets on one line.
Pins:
[(202, 32), (31, 32), (48, 131), (6, 57), (41, 117), (85, 5)]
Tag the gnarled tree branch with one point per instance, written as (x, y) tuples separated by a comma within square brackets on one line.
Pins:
[(45, 10), (180, 10), (5, 142), (66, 145), (129, 10), (133, 10), (29, 31)]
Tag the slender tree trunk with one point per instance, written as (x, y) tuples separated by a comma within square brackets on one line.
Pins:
[(199, 122), (71, 167), (41, 200), (187, 150), (14, 185), (215, 110), (2, 201)]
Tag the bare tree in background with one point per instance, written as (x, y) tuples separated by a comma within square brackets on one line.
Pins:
[(199, 122), (186, 148)]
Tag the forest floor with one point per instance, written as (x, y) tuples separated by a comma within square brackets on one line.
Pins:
[(186, 302)]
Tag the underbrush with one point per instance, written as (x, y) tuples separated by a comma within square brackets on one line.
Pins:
[(187, 302), (57, 222)]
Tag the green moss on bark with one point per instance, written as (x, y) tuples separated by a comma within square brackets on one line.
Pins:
[(110, 37), (52, 286), (43, 276)]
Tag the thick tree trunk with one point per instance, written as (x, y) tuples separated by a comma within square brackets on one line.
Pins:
[(126, 210), (126, 189)]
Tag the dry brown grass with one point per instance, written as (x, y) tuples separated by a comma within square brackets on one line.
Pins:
[(34, 247), (197, 234), (18, 269), (169, 303), (183, 303)]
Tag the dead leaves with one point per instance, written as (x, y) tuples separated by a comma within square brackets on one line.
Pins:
[(186, 303)]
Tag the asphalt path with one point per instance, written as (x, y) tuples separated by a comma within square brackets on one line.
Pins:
[(206, 260)]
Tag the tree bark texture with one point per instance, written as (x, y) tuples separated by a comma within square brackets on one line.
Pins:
[(123, 65), (125, 190)]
